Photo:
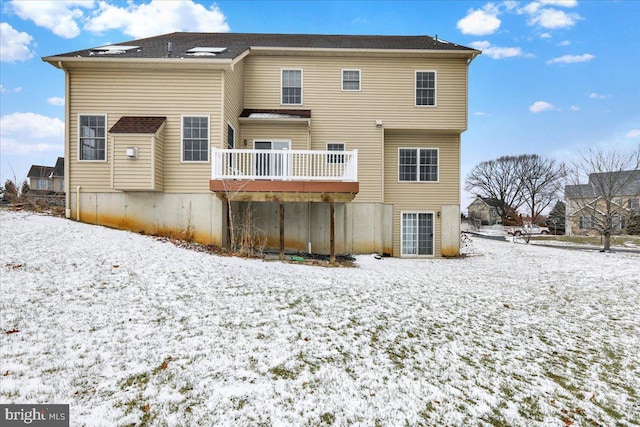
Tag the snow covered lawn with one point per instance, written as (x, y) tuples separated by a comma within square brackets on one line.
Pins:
[(132, 331)]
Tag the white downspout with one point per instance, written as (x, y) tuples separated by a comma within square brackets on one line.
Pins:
[(67, 142), (78, 202), (309, 203)]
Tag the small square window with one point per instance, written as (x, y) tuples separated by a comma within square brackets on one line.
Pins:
[(351, 80)]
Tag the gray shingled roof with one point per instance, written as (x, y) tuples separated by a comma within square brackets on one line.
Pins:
[(38, 171), (237, 43), (58, 169), (628, 181)]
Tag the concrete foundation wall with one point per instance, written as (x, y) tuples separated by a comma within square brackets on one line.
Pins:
[(359, 227), (450, 230), (198, 216)]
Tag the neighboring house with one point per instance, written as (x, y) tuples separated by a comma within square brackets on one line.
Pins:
[(350, 143), (586, 209), (485, 209), (47, 179)]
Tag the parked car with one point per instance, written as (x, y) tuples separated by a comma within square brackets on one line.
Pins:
[(528, 229)]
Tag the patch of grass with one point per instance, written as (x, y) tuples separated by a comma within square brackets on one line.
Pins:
[(328, 418), (137, 380), (280, 372), (591, 240)]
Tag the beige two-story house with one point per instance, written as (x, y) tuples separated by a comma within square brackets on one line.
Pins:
[(338, 144)]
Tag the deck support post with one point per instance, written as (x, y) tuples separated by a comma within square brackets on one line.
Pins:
[(281, 231), (332, 236), (229, 231)]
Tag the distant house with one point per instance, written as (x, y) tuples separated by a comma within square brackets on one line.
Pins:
[(485, 209), (587, 211), (47, 179)]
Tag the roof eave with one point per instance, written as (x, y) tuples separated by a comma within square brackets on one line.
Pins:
[(462, 53), (212, 63)]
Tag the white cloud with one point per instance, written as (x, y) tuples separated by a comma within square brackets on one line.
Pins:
[(61, 17), (634, 133), (14, 45), (562, 3), (574, 108), (57, 101), (481, 113), (545, 36), (26, 127), (14, 90), (564, 43), (548, 17), (156, 17), (496, 52), (480, 22), (554, 18), (571, 59), (596, 96), (540, 106)]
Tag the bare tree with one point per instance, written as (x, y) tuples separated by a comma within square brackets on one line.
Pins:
[(541, 182), (603, 203), (498, 179)]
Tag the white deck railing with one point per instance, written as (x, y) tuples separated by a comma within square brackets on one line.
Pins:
[(284, 165)]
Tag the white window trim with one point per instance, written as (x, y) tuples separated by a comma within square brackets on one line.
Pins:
[(435, 88), (270, 140), (417, 181), (433, 239), (344, 145), (359, 80), (106, 138), (182, 160), (301, 85), (344, 148)]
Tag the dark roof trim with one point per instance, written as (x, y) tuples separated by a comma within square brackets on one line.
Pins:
[(136, 124), (285, 114), (177, 45)]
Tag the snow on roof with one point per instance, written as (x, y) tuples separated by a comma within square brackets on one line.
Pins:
[(273, 116)]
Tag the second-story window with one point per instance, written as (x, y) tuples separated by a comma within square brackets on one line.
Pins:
[(292, 87), (426, 88), (418, 164), (195, 138), (350, 80)]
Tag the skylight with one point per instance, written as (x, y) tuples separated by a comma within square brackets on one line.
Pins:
[(202, 51), (114, 48)]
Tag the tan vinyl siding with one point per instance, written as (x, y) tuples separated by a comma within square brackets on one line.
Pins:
[(270, 130), (132, 173), (387, 93), (158, 168), (422, 196), (145, 93), (233, 100)]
